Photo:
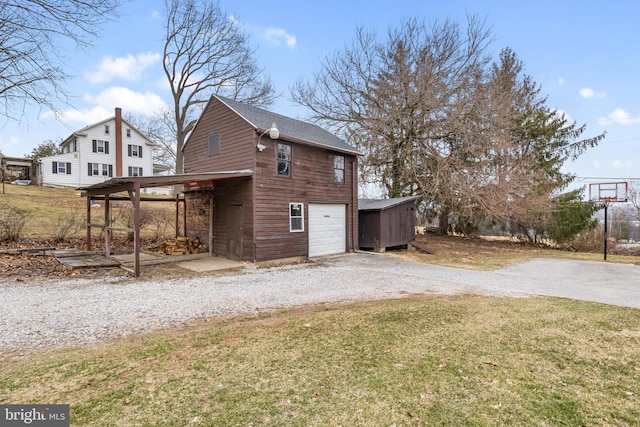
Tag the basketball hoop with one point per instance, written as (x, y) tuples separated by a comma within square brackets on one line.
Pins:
[(608, 192)]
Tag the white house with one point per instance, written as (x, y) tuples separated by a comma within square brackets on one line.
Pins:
[(108, 149)]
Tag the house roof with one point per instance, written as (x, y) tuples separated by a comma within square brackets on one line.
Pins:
[(382, 204), (290, 129), (83, 131)]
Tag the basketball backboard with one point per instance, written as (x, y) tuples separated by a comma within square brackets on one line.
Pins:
[(606, 192)]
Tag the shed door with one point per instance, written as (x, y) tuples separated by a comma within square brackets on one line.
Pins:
[(234, 249), (327, 229)]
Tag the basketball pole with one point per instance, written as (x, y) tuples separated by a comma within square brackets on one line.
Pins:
[(606, 234)]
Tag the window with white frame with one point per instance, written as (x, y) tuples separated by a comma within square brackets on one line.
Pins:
[(135, 150), (338, 169), (128, 133), (296, 217), (283, 153), (100, 146), (135, 171), (61, 168), (106, 170), (107, 129)]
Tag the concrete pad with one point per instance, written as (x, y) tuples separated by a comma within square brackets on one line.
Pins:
[(128, 258), (211, 263)]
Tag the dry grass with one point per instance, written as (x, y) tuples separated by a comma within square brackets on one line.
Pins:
[(490, 254), (463, 361)]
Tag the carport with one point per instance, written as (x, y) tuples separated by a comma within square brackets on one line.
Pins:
[(132, 186)]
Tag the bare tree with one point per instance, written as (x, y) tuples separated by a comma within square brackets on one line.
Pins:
[(31, 60), (634, 195), (403, 101), (207, 52), (159, 128)]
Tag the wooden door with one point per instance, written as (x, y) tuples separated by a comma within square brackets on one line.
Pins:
[(236, 220)]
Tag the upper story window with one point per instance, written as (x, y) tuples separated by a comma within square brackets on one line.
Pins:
[(213, 144), (128, 133), (74, 145), (135, 171), (338, 169), (283, 153), (107, 129), (100, 146), (135, 150)]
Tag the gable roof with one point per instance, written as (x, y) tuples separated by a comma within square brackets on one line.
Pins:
[(290, 129), (83, 131)]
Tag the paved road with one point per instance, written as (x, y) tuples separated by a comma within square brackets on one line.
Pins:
[(597, 281)]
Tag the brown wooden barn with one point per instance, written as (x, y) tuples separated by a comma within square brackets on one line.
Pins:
[(386, 223), (294, 193)]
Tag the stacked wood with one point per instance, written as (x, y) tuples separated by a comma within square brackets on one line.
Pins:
[(180, 246)]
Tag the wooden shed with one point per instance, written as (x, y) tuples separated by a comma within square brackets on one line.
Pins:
[(386, 223)]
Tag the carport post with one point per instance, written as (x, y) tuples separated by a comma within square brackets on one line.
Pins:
[(107, 226), (89, 199), (136, 232)]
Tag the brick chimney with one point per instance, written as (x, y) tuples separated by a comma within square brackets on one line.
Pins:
[(118, 141)]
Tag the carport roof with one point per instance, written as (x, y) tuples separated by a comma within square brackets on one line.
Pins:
[(116, 185)]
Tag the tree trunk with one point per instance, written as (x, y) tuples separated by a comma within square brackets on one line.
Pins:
[(443, 221)]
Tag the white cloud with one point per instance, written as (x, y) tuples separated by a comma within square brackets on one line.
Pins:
[(560, 81), (155, 14), (618, 164), (125, 67), (588, 93), (277, 36), (597, 164), (106, 101), (619, 116)]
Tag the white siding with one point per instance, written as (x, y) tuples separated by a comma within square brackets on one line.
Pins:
[(68, 180), (80, 160)]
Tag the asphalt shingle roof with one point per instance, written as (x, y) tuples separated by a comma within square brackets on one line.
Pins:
[(381, 204), (288, 127)]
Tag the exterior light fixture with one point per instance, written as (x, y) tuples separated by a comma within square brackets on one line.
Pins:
[(274, 133)]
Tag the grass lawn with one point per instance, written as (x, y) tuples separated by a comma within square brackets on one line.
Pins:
[(454, 361)]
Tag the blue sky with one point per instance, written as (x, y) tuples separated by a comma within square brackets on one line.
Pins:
[(584, 55)]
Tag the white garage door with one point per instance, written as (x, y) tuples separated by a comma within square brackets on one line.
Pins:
[(327, 229)]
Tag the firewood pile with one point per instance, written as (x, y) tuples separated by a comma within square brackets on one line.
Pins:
[(179, 246)]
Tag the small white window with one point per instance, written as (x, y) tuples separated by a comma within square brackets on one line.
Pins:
[(107, 129), (128, 133), (296, 217), (338, 169)]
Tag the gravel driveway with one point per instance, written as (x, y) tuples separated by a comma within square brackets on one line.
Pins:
[(86, 311)]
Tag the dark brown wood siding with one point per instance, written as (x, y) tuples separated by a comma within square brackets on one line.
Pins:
[(226, 193), (237, 142), (311, 181), (394, 226)]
